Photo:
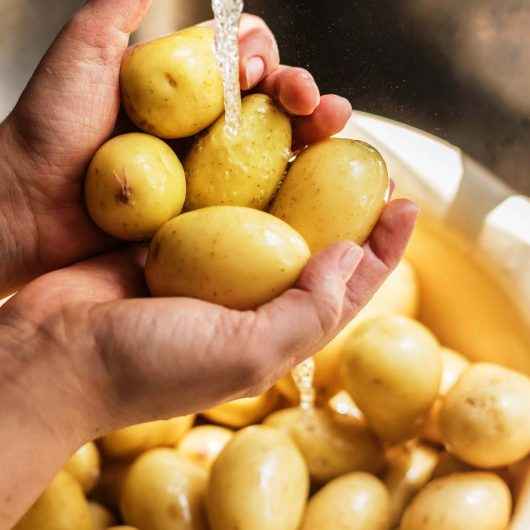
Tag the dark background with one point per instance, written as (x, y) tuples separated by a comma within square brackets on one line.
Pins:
[(458, 69)]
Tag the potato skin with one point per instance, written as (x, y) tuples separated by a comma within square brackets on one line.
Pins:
[(461, 501), (85, 466), (334, 191), (392, 366), (237, 257), (357, 501), (171, 87), (330, 448), (485, 417), (259, 482), (62, 506), (134, 184), (244, 170)]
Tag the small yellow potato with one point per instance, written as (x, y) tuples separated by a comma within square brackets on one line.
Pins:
[(109, 488), (357, 501), (134, 184), (330, 448), (202, 445), (165, 491), (171, 87), (244, 412), (244, 170), (85, 466), (485, 417), (102, 518), (453, 365), (237, 257), (259, 482), (134, 440), (410, 467), (62, 506), (391, 366), (462, 501), (334, 191)]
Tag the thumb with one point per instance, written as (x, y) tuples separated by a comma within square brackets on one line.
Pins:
[(71, 103)]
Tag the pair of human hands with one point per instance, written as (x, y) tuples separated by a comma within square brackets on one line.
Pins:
[(82, 350)]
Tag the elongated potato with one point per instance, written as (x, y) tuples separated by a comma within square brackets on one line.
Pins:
[(244, 412), (237, 257), (357, 501), (259, 482), (165, 491), (334, 191), (244, 170), (134, 440), (330, 448), (85, 466), (134, 184), (171, 87), (62, 506), (392, 368), (462, 501), (485, 417)]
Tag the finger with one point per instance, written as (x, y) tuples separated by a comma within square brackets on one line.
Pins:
[(294, 89), (306, 318), (328, 119), (382, 253), (71, 103), (258, 51)]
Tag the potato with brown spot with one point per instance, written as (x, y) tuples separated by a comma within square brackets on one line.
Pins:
[(134, 184), (334, 191), (485, 417), (241, 170), (330, 448), (171, 87), (203, 444)]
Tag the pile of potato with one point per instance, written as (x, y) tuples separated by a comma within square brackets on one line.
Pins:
[(405, 433)]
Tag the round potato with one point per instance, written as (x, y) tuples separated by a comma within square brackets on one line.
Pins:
[(62, 506), (244, 170), (244, 412), (357, 501), (165, 491), (85, 466), (461, 501), (233, 256), (102, 518), (134, 184), (171, 87), (453, 365), (203, 444), (334, 191), (330, 448), (259, 482), (410, 467), (134, 440), (392, 367), (485, 417)]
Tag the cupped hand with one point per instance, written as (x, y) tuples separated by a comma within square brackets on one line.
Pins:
[(70, 108)]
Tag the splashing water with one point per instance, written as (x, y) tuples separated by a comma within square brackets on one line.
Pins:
[(227, 16), (303, 376)]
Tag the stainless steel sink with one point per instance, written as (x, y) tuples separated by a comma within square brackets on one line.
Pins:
[(456, 69)]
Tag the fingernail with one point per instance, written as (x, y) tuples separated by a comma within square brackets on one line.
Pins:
[(349, 261), (254, 70)]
